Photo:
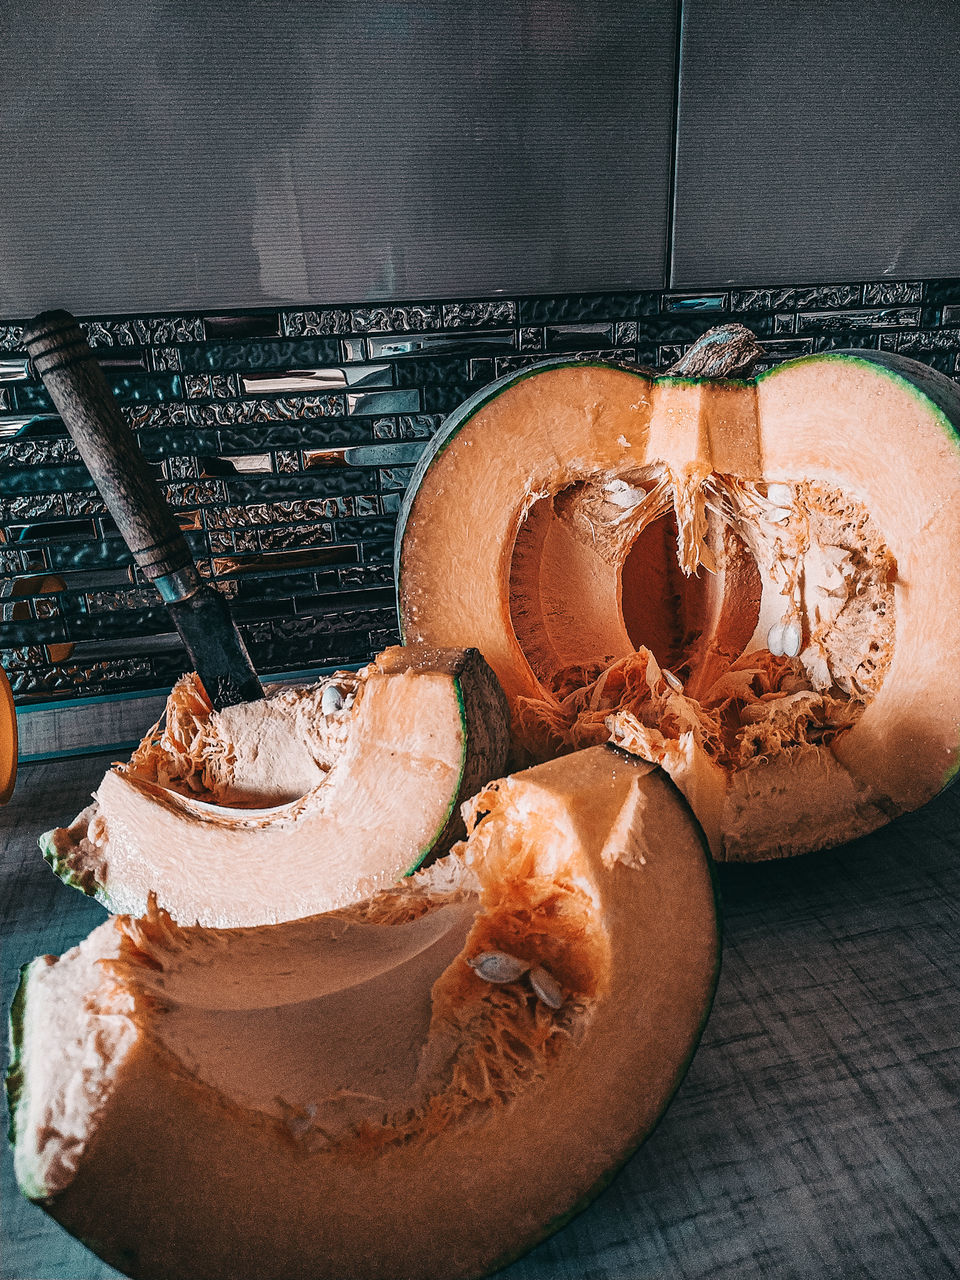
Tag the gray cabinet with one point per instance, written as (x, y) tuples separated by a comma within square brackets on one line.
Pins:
[(817, 141), (174, 155)]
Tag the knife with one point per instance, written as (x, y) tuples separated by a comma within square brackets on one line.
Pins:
[(62, 357)]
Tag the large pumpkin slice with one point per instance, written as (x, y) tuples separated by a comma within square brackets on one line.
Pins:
[(296, 804), (422, 1085), (752, 582)]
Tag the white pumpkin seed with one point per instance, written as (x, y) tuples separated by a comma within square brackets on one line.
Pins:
[(775, 639), (546, 987), (671, 680), (497, 966), (792, 639), (331, 700), (622, 494)]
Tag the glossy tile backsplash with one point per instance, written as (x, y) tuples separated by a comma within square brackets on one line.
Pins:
[(284, 441)]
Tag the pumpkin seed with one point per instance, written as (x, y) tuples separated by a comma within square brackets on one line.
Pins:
[(497, 966), (671, 680), (781, 495), (331, 700), (792, 639), (546, 987), (775, 639)]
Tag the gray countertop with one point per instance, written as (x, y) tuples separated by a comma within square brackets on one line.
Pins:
[(817, 1133)]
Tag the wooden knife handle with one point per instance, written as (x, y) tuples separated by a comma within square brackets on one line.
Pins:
[(63, 359)]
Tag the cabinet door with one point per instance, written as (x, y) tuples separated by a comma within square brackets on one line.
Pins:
[(817, 141), (182, 155)]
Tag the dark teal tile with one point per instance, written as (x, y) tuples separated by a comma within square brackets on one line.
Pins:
[(251, 355), (250, 324), (129, 388)]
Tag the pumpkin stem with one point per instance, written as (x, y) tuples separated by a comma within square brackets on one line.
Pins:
[(721, 352)]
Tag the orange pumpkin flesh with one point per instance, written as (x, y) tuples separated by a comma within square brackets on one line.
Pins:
[(752, 582), (272, 810), (344, 1095)]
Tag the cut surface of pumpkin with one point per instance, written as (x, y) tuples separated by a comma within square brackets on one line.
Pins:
[(422, 1084), (296, 804), (751, 582)]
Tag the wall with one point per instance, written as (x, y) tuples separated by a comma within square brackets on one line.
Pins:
[(239, 413)]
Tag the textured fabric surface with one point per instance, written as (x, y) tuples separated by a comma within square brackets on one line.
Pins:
[(817, 1133)]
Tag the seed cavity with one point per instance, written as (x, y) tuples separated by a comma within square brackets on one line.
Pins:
[(545, 987), (331, 700), (497, 966)]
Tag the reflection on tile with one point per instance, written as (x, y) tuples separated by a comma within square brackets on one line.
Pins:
[(695, 302), (283, 561), (464, 343), (852, 321), (253, 324), (395, 478), (405, 400), (377, 455), (573, 337), (129, 389), (318, 379), (235, 464), (53, 531), (354, 348), (122, 646), (420, 426)]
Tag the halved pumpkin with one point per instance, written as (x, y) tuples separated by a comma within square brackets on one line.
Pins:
[(302, 802), (421, 1085), (752, 582)]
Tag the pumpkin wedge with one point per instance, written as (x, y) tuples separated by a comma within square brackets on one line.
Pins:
[(422, 1085), (296, 804), (753, 582)]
